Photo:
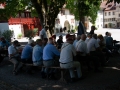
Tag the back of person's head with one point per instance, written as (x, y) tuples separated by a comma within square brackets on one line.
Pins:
[(109, 34), (100, 36), (31, 42), (92, 27), (2, 38), (50, 40), (38, 41), (106, 33), (83, 37), (54, 36), (89, 35), (46, 27), (15, 42), (94, 36), (60, 37)]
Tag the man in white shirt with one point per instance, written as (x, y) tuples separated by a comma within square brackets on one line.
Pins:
[(66, 59), (43, 33), (83, 55), (89, 36), (94, 50), (14, 55)]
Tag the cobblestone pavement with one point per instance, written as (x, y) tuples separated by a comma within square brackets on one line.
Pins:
[(108, 80)]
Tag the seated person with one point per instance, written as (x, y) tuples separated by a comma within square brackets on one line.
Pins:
[(60, 42), (89, 36), (26, 55), (54, 40), (4, 43), (49, 52), (66, 58), (37, 53), (94, 49), (44, 41), (14, 56), (76, 40), (101, 41), (83, 55)]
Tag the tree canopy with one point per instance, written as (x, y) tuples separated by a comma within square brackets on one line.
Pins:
[(47, 10)]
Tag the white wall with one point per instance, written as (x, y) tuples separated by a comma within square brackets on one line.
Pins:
[(16, 28), (4, 26)]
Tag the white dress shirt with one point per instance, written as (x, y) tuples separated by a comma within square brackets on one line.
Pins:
[(92, 44), (81, 46), (67, 53)]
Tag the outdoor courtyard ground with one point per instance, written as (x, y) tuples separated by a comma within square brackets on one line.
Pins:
[(109, 79)]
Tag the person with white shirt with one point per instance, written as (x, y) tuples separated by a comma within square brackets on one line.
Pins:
[(43, 33), (84, 56), (76, 40), (89, 36), (14, 56), (66, 59), (94, 50)]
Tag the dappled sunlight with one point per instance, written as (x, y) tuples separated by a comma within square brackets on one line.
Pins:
[(113, 68)]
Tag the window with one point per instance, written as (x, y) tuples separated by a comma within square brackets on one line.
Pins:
[(109, 13), (119, 15), (101, 19), (105, 14), (63, 12), (113, 13)]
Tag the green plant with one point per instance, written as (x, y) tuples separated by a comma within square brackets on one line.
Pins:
[(8, 34), (73, 31), (31, 33), (19, 35), (68, 31)]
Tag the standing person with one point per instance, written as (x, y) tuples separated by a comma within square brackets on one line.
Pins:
[(92, 30), (14, 56), (43, 33), (49, 52), (60, 42), (66, 59)]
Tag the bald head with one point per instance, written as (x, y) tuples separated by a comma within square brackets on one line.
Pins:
[(83, 37)]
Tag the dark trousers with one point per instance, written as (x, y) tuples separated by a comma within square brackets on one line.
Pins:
[(88, 60), (100, 55)]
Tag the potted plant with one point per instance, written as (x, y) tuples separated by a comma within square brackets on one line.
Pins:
[(31, 33), (19, 36)]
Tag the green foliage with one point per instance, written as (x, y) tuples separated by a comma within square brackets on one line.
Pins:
[(19, 35), (31, 33), (8, 34), (73, 31), (81, 8)]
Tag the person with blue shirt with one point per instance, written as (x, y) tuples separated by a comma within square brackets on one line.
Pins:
[(26, 55), (4, 43), (37, 53), (49, 52)]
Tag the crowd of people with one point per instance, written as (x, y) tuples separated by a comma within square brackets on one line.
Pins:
[(90, 48)]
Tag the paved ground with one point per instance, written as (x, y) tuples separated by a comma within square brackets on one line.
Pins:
[(108, 80)]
